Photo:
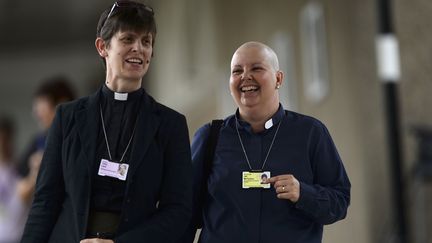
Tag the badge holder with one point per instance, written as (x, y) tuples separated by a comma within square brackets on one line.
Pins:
[(254, 179), (113, 169)]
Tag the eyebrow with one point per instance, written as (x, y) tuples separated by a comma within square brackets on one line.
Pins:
[(148, 34), (252, 65)]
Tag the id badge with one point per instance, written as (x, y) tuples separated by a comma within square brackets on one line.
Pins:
[(113, 169), (253, 179)]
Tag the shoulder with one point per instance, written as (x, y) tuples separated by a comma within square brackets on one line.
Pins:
[(311, 129), (204, 131), (71, 106), (304, 121), (171, 123), (305, 127), (65, 111), (164, 112)]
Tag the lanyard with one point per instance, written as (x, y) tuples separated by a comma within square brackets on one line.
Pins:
[(244, 150), (106, 139)]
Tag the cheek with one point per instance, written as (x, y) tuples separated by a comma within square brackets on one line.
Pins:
[(149, 52), (233, 84), (268, 82), (118, 56)]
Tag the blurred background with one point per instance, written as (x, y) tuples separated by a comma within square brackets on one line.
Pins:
[(327, 50)]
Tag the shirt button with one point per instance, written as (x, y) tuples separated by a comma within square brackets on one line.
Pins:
[(128, 200), (126, 220)]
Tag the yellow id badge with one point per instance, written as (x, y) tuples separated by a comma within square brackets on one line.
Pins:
[(252, 179)]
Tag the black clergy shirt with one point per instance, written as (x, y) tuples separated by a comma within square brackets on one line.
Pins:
[(120, 118)]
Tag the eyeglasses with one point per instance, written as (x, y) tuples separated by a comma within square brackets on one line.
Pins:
[(128, 4)]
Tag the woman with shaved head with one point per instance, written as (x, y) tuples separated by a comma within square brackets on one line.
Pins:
[(307, 185)]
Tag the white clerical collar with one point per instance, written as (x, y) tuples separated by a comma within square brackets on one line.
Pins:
[(268, 124), (120, 96)]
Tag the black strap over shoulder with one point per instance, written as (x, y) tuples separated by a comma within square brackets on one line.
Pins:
[(212, 140), (201, 193)]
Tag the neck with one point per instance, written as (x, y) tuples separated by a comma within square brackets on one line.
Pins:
[(257, 118), (123, 86)]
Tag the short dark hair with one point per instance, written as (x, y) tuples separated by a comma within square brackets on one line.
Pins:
[(130, 16), (56, 89)]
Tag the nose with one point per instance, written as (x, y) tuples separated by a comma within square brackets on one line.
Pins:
[(246, 75), (137, 46)]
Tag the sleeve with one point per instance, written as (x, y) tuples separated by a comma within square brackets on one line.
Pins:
[(199, 147), (49, 192), (327, 200), (175, 203)]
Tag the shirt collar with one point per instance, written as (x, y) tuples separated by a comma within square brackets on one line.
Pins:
[(275, 119), (110, 95)]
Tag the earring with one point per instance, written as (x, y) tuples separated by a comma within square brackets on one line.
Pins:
[(277, 86)]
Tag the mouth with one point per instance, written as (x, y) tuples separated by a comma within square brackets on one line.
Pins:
[(249, 88), (134, 61)]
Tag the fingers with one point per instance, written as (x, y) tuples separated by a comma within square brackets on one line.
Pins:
[(286, 183), (89, 240), (280, 177), (287, 196), (282, 180), (286, 187), (96, 240)]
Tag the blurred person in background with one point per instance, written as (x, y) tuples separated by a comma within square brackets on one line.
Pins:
[(13, 211), (307, 186), (117, 166), (50, 93)]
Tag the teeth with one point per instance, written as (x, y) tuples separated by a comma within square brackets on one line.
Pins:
[(248, 88), (134, 60)]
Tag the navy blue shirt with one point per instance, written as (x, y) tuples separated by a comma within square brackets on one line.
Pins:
[(303, 147)]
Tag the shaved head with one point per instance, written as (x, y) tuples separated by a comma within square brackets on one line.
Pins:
[(267, 51), (254, 82)]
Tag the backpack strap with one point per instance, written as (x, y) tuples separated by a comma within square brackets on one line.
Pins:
[(212, 140)]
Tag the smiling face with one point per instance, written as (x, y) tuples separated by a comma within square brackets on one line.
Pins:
[(127, 57), (254, 80)]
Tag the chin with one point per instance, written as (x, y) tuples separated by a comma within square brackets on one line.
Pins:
[(249, 103), (136, 76), (249, 106)]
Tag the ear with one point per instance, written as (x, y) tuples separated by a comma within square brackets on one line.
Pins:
[(101, 47), (279, 78)]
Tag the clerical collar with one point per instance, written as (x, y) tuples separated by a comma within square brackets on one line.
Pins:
[(120, 96), (275, 119), (111, 95)]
